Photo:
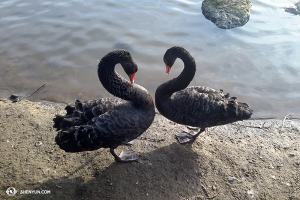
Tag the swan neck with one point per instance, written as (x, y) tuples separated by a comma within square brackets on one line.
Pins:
[(185, 77), (120, 87), (112, 81)]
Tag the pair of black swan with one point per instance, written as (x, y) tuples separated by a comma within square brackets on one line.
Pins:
[(110, 122)]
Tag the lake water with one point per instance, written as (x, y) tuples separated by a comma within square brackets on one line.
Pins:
[(59, 43)]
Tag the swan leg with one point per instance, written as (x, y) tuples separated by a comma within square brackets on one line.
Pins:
[(125, 156), (185, 137)]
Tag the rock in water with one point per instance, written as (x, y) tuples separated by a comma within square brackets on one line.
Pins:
[(227, 14), (294, 10)]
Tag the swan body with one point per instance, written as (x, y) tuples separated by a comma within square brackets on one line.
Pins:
[(196, 106), (107, 122)]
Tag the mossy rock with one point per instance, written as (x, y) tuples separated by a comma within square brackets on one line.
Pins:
[(227, 14)]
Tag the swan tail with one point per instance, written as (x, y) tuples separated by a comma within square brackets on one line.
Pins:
[(77, 139), (74, 117), (67, 121)]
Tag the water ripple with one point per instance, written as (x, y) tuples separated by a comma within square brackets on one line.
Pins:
[(60, 44)]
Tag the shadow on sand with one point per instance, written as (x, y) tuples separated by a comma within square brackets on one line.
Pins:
[(170, 172)]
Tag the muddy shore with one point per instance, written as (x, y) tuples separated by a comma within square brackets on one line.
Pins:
[(253, 159)]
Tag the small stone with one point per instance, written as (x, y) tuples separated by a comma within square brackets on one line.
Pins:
[(214, 188), (250, 192), (14, 98), (38, 144), (231, 179)]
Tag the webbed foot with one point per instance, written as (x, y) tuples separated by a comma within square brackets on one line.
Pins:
[(125, 156), (185, 137)]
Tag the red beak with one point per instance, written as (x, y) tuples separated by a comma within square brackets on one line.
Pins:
[(132, 78), (168, 69)]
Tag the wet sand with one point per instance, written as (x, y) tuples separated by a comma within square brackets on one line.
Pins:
[(253, 159)]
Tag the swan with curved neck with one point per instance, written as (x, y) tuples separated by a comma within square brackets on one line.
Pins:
[(108, 122), (197, 106)]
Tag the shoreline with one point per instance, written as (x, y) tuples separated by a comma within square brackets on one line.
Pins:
[(232, 161)]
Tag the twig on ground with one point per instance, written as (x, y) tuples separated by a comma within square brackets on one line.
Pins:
[(261, 127), (286, 117), (206, 193), (36, 90), (204, 190), (212, 197), (290, 117), (151, 140), (261, 118)]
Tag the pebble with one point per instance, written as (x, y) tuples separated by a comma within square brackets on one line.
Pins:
[(250, 192), (38, 144), (231, 179), (14, 98)]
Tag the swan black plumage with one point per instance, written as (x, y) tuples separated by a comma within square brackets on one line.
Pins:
[(107, 122), (196, 106)]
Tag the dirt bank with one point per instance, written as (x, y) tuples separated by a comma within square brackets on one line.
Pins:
[(226, 162)]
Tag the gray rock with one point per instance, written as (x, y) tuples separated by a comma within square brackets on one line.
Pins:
[(227, 14), (295, 10), (14, 98)]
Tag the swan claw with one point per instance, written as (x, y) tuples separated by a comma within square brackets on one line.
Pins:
[(185, 137)]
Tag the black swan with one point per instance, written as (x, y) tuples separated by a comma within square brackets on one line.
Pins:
[(196, 106), (108, 122)]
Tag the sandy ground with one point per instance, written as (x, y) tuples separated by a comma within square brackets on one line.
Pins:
[(261, 161)]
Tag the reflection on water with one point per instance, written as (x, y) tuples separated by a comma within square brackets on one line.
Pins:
[(60, 43)]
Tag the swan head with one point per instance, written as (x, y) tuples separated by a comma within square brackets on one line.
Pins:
[(130, 68), (115, 57), (169, 60)]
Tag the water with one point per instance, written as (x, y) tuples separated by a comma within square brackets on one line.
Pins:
[(59, 44)]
